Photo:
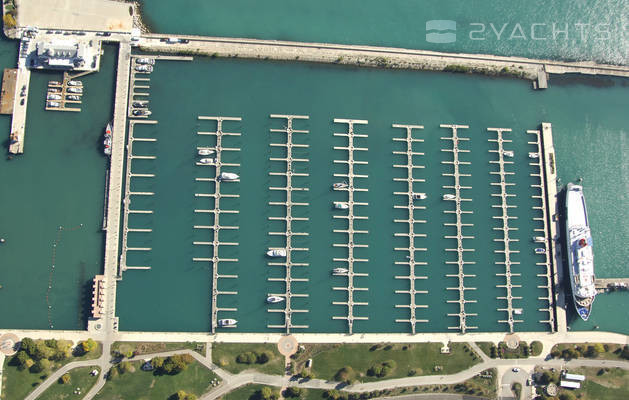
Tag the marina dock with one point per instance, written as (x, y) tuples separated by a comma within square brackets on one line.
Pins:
[(409, 197), (63, 91), (543, 231), (128, 196), (504, 217), (216, 211), (350, 176), (18, 121), (8, 90), (289, 174), (460, 250)]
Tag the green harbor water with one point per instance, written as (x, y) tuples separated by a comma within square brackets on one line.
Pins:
[(59, 181)]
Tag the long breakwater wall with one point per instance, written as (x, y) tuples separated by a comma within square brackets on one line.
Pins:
[(379, 57)]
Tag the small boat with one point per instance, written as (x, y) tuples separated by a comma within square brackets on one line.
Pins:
[(340, 185), (274, 299), (54, 97), (206, 152), (276, 253), (228, 176), (227, 322), (341, 205), (141, 113), (75, 83), (540, 250), (449, 197), (419, 196), (140, 104), (107, 140), (533, 155), (54, 83), (539, 239), (517, 311), (208, 160), (74, 90), (53, 104), (340, 271), (144, 68), (73, 97), (54, 90), (145, 60), (507, 153)]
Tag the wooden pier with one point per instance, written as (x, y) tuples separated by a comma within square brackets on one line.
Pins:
[(460, 237), (504, 218), (18, 119), (350, 177), (216, 211), (129, 174), (411, 251), (289, 174), (542, 229)]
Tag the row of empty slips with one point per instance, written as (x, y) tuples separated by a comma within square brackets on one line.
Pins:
[(290, 161), (215, 226), (542, 231), (351, 188), (504, 217), (409, 197), (129, 175), (459, 225)]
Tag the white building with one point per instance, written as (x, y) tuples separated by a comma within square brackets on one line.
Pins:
[(61, 54)]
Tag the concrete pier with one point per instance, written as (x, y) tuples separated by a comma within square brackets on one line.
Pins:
[(216, 211), (459, 225), (552, 219), (504, 218), (18, 121), (350, 177), (543, 231), (290, 161), (411, 251), (129, 175)]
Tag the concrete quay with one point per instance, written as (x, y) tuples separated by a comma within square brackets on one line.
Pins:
[(372, 56), (18, 121)]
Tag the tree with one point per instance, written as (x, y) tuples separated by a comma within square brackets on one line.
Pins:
[(88, 345), (9, 21), (305, 374), (65, 379), (567, 396), (263, 358), (157, 363), (266, 393), (28, 345), (42, 351), (625, 352), (181, 395), (247, 358), (344, 374), (174, 365), (125, 367), (20, 359), (293, 392), (42, 365), (332, 394)]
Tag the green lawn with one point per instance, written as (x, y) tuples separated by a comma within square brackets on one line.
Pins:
[(410, 359), (224, 355), (143, 385), (156, 347), (79, 378), (17, 384), (613, 384)]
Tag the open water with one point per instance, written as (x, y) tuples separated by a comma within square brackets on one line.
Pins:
[(60, 179)]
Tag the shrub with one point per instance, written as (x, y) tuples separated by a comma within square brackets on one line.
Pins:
[(88, 345), (9, 20), (65, 379), (625, 352), (263, 357), (247, 358), (344, 374), (293, 392)]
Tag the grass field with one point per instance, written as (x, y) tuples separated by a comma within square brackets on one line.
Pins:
[(155, 347), (143, 385), (612, 384), (224, 355), (409, 360), (17, 384), (79, 378)]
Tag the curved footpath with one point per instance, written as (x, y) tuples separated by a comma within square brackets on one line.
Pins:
[(231, 381)]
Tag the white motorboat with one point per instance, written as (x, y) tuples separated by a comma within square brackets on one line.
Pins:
[(107, 140), (340, 271), (540, 250), (449, 197), (539, 239), (54, 90), (340, 185), (145, 60), (419, 196), (54, 83), (54, 97), (74, 90), (341, 205), (276, 253), (144, 68), (507, 153), (75, 83), (274, 299), (206, 152), (141, 113), (227, 322), (53, 104), (517, 311), (140, 104), (228, 176), (73, 97), (208, 161), (533, 155)]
